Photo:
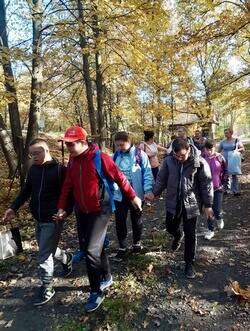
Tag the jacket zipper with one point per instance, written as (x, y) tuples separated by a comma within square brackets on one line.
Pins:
[(39, 195)]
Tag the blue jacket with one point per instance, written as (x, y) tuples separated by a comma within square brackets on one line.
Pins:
[(141, 174)]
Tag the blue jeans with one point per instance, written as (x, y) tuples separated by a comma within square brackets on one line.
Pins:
[(217, 209), (217, 202), (234, 185)]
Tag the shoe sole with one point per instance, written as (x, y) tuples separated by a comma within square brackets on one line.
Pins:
[(102, 288), (190, 277), (99, 303), (71, 267), (42, 303)]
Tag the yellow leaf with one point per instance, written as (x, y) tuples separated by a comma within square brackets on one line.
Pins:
[(245, 294)]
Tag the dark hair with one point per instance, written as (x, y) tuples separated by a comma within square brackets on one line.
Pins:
[(122, 135), (179, 144), (209, 143), (148, 134), (37, 141)]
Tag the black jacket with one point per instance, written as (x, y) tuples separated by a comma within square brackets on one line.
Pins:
[(43, 185)]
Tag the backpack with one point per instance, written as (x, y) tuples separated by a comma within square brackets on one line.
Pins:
[(138, 157), (106, 184)]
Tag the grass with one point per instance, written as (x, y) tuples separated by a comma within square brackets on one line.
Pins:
[(136, 278)]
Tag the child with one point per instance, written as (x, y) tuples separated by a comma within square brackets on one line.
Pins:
[(94, 213), (218, 167), (43, 186), (137, 169)]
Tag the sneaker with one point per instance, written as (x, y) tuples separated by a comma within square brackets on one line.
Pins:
[(78, 256), (44, 295), (106, 283), (160, 197), (177, 243), (148, 203), (67, 267), (189, 270), (209, 235), (137, 248), (220, 224), (94, 301), (236, 194), (121, 253), (226, 192)]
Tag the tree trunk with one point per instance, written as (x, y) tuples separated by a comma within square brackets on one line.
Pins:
[(7, 147), (9, 78), (37, 74), (99, 86), (86, 70)]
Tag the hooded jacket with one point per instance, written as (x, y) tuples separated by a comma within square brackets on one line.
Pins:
[(193, 183), (83, 180), (43, 185), (141, 174)]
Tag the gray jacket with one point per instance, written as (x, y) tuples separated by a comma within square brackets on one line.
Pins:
[(195, 181)]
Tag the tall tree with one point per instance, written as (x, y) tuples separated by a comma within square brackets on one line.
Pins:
[(9, 80)]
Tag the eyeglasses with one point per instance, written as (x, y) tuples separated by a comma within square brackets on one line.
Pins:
[(181, 156), (37, 153)]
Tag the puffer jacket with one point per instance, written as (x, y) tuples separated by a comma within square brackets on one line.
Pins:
[(196, 184), (43, 185)]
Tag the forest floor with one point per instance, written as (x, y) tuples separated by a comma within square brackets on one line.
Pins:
[(150, 290)]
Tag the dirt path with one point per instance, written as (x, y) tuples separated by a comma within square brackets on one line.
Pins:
[(167, 300)]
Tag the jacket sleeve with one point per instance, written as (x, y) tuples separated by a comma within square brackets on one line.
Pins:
[(23, 196), (112, 171), (162, 178), (66, 192), (205, 183), (70, 198), (147, 176)]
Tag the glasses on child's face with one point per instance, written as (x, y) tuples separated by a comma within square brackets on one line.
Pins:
[(34, 154), (181, 156)]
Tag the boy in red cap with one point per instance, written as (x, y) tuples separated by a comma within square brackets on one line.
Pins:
[(83, 180)]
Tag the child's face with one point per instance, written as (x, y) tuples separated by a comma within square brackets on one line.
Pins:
[(210, 151), (38, 153), (123, 145), (77, 147)]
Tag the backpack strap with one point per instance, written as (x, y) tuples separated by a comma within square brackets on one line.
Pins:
[(138, 158), (98, 166)]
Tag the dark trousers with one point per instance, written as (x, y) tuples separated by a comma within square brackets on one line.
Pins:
[(189, 227), (92, 228), (155, 172), (121, 213)]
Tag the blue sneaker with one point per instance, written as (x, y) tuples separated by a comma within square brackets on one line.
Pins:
[(94, 301), (79, 256), (106, 241), (106, 283)]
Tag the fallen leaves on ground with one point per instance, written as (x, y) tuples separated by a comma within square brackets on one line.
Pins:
[(237, 290)]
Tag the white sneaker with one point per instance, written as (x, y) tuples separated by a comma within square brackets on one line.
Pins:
[(148, 203), (209, 235), (220, 224)]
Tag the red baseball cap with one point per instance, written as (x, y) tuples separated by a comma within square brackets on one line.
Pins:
[(74, 133)]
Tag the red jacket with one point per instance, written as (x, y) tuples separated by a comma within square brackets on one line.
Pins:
[(82, 179)]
